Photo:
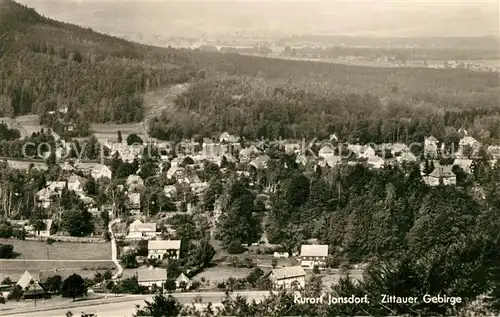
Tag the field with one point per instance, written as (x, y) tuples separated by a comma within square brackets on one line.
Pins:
[(58, 255), (14, 269)]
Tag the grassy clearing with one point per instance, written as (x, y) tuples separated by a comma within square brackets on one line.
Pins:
[(60, 250), (218, 274)]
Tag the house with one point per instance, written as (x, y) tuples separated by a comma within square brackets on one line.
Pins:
[(326, 151), (288, 277), (26, 165), (464, 164), (470, 142), (183, 282), (152, 276), (301, 159), (311, 255), (406, 157), (430, 146), (170, 191), (248, 153), (134, 200), (175, 172), (292, 147), (134, 182), (375, 161), (40, 233), (260, 162), (332, 161), (198, 188), (44, 197), (494, 151), (280, 255), (139, 230), (100, 171), (366, 152), (160, 249), (399, 149), (30, 286), (228, 138), (76, 183), (441, 173)]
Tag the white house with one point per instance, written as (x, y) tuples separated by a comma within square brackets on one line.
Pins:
[(469, 141), (139, 230), (431, 146), (170, 191), (367, 152), (248, 153), (151, 276), (443, 173), (175, 172), (292, 147), (375, 161), (159, 249), (406, 157), (311, 255), (40, 233), (228, 138), (399, 148), (326, 151), (288, 277), (260, 162), (134, 182), (198, 188), (100, 171), (183, 281)]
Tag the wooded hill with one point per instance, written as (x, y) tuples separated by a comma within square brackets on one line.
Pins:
[(47, 65)]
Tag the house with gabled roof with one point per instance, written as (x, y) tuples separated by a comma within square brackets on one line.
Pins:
[(151, 276), (441, 173), (464, 164), (431, 146), (248, 153), (313, 254), (260, 162), (30, 286), (100, 171), (164, 249), (326, 151), (182, 281), (140, 230)]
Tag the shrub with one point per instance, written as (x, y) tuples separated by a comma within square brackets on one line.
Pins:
[(235, 248), (50, 241)]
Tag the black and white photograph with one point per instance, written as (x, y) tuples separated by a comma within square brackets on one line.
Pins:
[(249, 158)]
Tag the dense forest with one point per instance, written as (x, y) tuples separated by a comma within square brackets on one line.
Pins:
[(259, 97)]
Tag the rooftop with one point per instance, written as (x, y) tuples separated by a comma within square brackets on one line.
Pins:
[(314, 250), (288, 272), (151, 275)]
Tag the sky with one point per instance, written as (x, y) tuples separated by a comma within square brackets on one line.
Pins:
[(381, 18)]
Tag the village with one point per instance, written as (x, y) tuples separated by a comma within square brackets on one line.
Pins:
[(145, 240)]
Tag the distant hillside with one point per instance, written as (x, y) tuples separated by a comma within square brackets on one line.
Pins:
[(68, 74)]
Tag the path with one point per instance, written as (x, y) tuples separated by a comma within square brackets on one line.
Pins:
[(114, 250), (124, 305)]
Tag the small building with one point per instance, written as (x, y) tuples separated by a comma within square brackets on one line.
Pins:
[(100, 171), (260, 162), (152, 276), (183, 282), (464, 164), (139, 230), (76, 183), (430, 146), (311, 255), (164, 249), (406, 157), (375, 161), (288, 277), (326, 151), (170, 191), (248, 153), (40, 233), (134, 182), (280, 255), (441, 173)]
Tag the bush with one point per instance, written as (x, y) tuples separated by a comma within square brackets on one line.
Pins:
[(50, 241), (7, 281), (235, 248), (6, 251)]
